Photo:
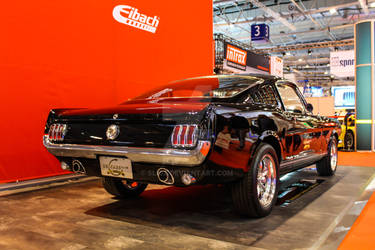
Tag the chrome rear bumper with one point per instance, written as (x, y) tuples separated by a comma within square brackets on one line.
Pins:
[(168, 156)]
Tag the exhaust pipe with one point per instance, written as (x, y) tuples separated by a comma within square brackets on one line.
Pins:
[(78, 167), (188, 179), (64, 165), (165, 176)]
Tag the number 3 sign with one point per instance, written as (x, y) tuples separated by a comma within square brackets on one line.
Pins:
[(260, 32)]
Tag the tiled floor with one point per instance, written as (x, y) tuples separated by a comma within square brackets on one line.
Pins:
[(84, 216)]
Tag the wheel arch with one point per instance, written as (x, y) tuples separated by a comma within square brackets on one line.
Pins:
[(336, 135), (270, 137), (350, 131)]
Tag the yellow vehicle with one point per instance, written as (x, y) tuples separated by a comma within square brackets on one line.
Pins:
[(346, 139)]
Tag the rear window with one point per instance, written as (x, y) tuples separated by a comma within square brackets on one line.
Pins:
[(210, 87)]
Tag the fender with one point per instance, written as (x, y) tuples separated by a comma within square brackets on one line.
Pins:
[(337, 132), (334, 132), (270, 137), (267, 133)]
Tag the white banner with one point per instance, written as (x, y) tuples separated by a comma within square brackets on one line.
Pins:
[(342, 63), (277, 66)]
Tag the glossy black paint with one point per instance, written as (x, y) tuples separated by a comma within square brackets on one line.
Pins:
[(235, 126)]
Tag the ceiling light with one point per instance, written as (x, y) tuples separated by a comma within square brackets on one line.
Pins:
[(333, 11), (288, 53), (300, 60), (326, 73)]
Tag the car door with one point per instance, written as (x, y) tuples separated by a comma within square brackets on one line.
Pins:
[(300, 131), (314, 127)]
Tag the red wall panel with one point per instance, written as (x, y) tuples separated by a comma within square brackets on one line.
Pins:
[(73, 53)]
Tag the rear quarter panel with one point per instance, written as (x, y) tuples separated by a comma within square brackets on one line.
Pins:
[(238, 131)]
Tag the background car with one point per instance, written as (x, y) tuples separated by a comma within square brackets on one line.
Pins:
[(347, 137)]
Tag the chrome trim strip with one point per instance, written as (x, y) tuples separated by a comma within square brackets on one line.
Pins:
[(169, 156), (186, 134), (302, 160), (179, 135)]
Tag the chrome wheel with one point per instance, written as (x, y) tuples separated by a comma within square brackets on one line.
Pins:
[(255, 194), (266, 180), (333, 156)]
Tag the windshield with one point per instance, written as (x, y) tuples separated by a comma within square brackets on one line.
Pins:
[(211, 87)]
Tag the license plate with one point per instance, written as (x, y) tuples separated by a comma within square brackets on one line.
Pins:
[(116, 167)]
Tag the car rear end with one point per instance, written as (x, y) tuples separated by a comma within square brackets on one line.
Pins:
[(162, 145)]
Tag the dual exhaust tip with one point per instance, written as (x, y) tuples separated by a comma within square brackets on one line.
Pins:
[(166, 177), (163, 174), (77, 167)]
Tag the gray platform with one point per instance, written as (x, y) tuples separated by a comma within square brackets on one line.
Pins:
[(84, 216)]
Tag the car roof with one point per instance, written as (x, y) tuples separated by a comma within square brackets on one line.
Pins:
[(271, 78), (249, 76), (263, 76), (266, 78)]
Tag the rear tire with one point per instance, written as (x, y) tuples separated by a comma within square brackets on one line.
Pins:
[(328, 165), (349, 140), (256, 193), (122, 188)]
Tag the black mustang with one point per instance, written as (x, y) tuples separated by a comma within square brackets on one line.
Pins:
[(245, 131)]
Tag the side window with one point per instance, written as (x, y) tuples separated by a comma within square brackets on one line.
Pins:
[(257, 97), (268, 94), (247, 99), (290, 98), (263, 94)]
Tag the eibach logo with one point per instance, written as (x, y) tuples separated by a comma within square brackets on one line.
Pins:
[(236, 55), (131, 16)]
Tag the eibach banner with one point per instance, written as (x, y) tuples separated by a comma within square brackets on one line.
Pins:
[(88, 54)]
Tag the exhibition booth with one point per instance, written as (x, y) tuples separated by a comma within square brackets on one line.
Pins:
[(241, 140)]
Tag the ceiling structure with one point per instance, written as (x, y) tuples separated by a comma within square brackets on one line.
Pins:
[(302, 32)]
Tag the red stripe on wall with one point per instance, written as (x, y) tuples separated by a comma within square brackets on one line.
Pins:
[(263, 68)]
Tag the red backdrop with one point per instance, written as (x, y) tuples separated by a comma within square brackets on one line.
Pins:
[(73, 53)]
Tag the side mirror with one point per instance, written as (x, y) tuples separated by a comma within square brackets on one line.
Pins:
[(309, 107)]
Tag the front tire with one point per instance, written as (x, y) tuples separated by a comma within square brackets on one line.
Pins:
[(328, 165), (256, 194), (123, 188)]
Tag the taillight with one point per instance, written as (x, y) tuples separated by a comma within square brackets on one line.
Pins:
[(184, 135), (57, 132)]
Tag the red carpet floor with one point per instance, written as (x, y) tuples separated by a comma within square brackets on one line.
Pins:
[(362, 233), (361, 159)]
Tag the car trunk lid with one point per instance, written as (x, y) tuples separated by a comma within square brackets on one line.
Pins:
[(140, 124)]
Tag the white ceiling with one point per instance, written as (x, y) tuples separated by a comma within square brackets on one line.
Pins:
[(295, 27)]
